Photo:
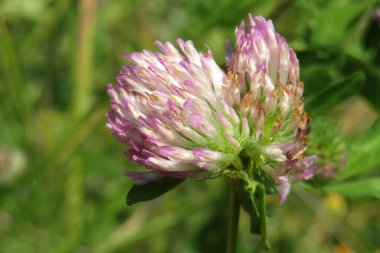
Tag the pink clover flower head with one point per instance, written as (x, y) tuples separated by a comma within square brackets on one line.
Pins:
[(181, 115), (263, 83), (168, 109)]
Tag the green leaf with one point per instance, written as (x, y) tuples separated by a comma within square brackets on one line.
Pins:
[(360, 188), (371, 88), (333, 94), (152, 190), (363, 153), (331, 25)]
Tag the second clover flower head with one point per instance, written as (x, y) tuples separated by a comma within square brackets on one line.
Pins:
[(181, 115)]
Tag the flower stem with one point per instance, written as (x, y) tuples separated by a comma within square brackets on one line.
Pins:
[(233, 224)]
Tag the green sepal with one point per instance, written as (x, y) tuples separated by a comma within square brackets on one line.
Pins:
[(252, 200), (247, 201)]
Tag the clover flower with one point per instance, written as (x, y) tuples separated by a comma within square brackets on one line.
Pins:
[(264, 84), (181, 115), (168, 108)]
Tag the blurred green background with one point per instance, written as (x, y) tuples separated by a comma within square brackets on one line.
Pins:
[(61, 173)]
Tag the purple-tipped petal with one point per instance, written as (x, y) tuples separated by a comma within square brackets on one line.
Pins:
[(207, 155), (228, 52), (273, 152), (233, 141), (176, 153), (203, 125), (284, 188), (226, 123)]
